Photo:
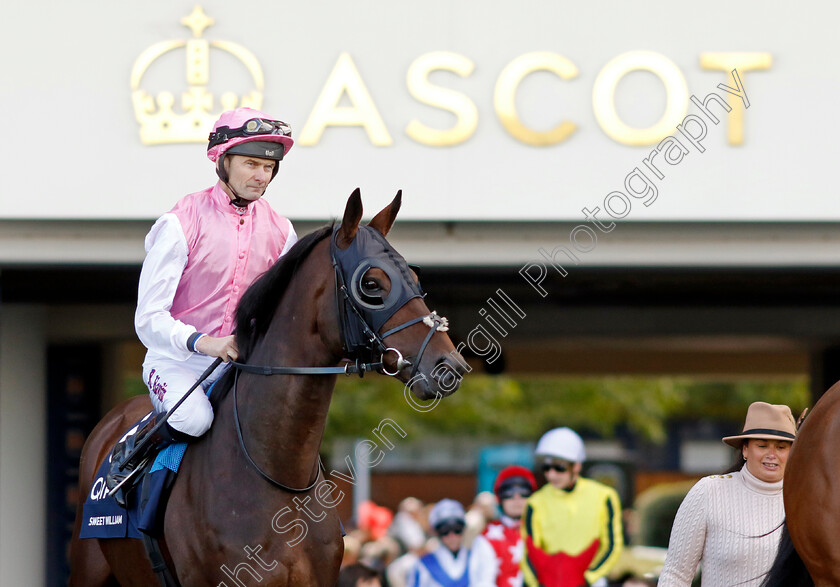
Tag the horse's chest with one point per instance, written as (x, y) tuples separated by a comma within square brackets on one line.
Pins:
[(251, 537)]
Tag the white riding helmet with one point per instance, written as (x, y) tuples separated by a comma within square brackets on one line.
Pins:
[(445, 510), (562, 443)]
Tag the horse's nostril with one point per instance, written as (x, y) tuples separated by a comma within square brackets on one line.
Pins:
[(447, 377), (456, 366)]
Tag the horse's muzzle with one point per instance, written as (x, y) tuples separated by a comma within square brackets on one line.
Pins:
[(442, 380), (448, 374)]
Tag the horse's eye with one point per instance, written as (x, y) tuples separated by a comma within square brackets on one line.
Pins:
[(370, 292), (370, 285)]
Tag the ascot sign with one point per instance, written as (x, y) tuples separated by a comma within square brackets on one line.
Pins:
[(346, 80), (160, 124)]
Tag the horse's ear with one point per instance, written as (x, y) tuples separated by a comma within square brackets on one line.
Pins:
[(385, 219), (350, 222)]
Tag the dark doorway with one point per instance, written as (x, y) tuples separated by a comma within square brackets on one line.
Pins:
[(74, 387)]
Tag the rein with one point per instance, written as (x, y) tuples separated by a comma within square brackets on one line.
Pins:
[(375, 343), (433, 320), (262, 473), (348, 369)]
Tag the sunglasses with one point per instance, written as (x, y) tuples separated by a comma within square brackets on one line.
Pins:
[(450, 528), (255, 126), (559, 467), (513, 492)]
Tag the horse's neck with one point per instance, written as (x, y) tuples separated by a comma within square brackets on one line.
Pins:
[(282, 420), (283, 416)]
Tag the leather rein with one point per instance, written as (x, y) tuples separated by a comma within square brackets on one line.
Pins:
[(376, 343)]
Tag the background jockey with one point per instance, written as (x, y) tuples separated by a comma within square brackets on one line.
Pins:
[(572, 525), (497, 551), (201, 256), (449, 564)]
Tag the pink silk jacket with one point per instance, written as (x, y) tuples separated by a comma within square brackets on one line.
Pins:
[(201, 256)]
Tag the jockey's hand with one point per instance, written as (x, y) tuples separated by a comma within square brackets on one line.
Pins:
[(223, 347)]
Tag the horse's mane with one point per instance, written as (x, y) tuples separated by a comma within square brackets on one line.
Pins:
[(257, 306), (788, 569)]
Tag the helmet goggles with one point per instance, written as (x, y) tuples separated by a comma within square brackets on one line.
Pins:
[(252, 127), (450, 526), (513, 487)]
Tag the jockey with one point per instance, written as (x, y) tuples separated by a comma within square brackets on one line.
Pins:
[(201, 256), (572, 526), (449, 564), (497, 551)]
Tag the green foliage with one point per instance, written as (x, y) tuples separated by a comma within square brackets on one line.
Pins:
[(521, 408), (133, 385), (655, 510)]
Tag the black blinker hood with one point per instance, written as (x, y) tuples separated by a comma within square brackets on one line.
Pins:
[(369, 249)]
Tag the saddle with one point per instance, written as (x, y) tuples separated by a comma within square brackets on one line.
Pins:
[(142, 517), (146, 493), (105, 518)]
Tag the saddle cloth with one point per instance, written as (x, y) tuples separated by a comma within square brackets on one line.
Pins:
[(102, 516)]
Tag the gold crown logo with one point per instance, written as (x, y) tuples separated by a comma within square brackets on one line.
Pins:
[(158, 121)]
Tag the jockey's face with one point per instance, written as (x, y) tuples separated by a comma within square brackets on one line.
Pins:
[(452, 542), (451, 535), (766, 459), (248, 176), (514, 506), (561, 474)]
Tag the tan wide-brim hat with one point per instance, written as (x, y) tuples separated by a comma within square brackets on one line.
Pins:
[(766, 421)]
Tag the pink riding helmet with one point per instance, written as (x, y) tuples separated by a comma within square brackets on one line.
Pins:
[(235, 120)]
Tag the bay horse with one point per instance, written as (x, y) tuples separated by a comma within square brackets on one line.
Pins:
[(809, 553), (254, 477)]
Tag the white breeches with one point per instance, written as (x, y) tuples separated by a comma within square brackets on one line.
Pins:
[(168, 380)]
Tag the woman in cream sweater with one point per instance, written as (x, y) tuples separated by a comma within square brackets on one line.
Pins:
[(733, 522)]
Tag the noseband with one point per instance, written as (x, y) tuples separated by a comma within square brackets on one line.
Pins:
[(360, 320)]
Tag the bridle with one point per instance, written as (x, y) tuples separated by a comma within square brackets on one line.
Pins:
[(360, 321)]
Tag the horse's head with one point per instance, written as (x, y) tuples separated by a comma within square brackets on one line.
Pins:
[(381, 306)]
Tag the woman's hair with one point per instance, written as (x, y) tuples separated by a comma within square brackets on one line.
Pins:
[(738, 459)]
